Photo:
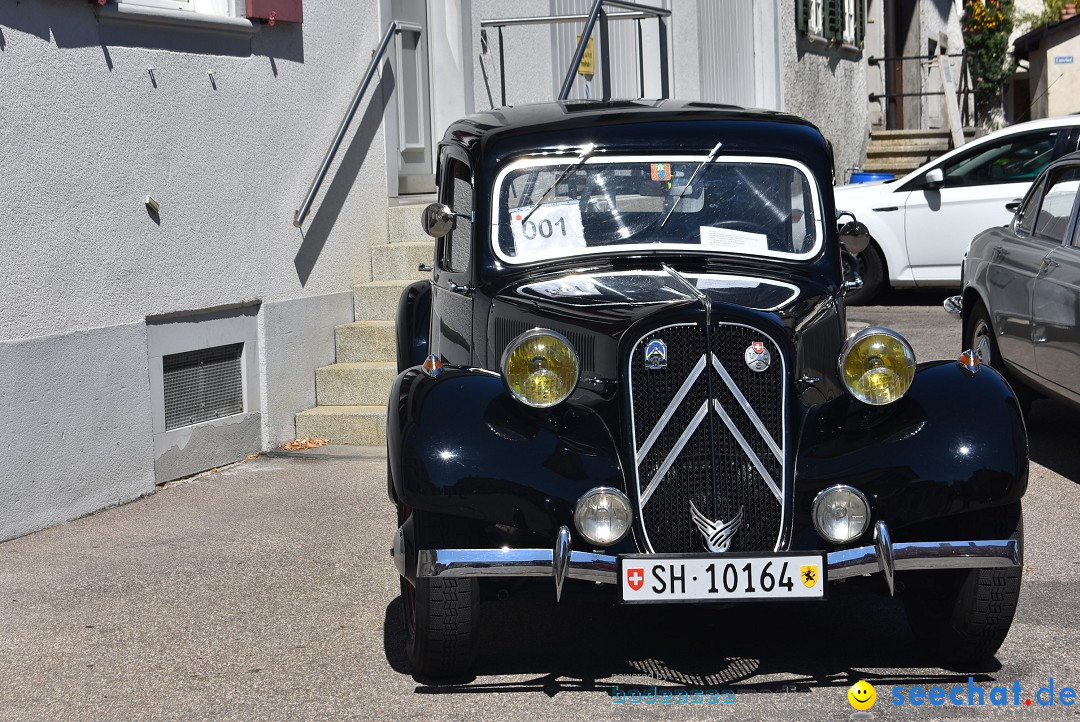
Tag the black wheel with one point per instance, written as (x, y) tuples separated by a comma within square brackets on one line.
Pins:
[(441, 616), (962, 617), (979, 336), (870, 265)]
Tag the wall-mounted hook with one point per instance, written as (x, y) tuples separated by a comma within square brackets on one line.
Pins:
[(213, 80), (153, 80)]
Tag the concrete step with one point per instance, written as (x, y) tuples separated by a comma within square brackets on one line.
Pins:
[(401, 260), (403, 221), (377, 301), (366, 341), (359, 383), (915, 151), (358, 425)]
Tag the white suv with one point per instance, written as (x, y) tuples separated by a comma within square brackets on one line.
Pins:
[(921, 224)]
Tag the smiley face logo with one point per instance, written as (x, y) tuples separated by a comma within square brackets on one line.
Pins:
[(862, 695)]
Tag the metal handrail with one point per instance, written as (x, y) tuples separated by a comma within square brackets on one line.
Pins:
[(392, 29), (632, 12)]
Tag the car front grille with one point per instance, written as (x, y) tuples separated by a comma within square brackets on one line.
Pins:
[(708, 431)]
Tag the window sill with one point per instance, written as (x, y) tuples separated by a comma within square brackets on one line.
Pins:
[(122, 12)]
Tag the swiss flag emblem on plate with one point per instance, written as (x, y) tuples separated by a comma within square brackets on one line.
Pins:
[(635, 578), (758, 346)]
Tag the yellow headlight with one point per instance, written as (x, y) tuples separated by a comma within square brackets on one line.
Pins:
[(540, 368), (877, 366)]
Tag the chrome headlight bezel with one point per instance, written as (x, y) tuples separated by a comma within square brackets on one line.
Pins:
[(853, 341), (821, 498), (516, 343), (582, 508)]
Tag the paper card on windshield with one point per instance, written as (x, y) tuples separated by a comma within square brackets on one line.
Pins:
[(551, 228), (728, 239)]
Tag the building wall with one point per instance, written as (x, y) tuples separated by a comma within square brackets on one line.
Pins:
[(1061, 80), (827, 85), (225, 131)]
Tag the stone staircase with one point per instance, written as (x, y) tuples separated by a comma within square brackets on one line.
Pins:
[(351, 394), (902, 151)]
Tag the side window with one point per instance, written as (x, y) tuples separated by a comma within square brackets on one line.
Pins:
[(1057, 204), (458, 194), (1012, 160), (1025, 219)]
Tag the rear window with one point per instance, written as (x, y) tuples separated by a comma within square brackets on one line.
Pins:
[(552, 208)]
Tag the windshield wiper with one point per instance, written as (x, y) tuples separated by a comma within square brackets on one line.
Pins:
[(586, 152), (709, 159)]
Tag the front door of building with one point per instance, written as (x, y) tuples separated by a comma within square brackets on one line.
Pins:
[(412, 98)]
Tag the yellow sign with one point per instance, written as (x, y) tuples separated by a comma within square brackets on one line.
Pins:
[(587, 66), (809, 575)]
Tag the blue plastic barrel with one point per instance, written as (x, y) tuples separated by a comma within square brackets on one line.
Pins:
[(868, 177)]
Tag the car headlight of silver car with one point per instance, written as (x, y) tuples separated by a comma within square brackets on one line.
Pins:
[(877, 366), (540, 368)]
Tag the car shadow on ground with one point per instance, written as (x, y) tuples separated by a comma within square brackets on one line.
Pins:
[(911, 297), (587, 644), (1051, 428)]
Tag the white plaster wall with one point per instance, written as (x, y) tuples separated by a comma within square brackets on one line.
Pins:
[(529, 67), (827, 86), (1063, 80), (86, 136)]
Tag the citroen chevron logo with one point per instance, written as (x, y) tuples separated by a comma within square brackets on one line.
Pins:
[(718, 534)]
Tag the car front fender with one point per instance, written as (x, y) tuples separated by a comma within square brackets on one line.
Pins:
[(955, 443), (461, 444)]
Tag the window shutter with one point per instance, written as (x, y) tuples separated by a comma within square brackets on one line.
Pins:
[(860, 22), (834, 20), (287, 11), (802, 16)]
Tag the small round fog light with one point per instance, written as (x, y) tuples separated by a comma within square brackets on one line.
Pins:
[(841, 514), (603, 515)]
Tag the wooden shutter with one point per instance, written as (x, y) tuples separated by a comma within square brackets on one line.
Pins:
[(860, 22), (287, 11), (802, 16), (834, 20)]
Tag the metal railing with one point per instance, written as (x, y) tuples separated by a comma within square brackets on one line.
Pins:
[(598, 16), (965, 94), (395, 27)]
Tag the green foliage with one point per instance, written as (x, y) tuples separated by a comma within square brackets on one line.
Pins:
[(986, 25), (1050, 13)]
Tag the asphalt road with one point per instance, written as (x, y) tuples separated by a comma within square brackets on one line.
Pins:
[(264, 591)]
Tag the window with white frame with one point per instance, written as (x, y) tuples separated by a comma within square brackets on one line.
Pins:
[(850, 22), (225, 8), (816, 19)]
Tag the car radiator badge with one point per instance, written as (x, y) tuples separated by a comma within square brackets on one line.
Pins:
[(718, 534), (757, 356), (656, 355)]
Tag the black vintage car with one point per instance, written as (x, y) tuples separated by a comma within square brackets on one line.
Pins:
[(631, 370), (1021, 290)]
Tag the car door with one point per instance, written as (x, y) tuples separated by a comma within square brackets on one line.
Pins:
[(452, 281), (939, 223), (1015, 258), (1056, 301)]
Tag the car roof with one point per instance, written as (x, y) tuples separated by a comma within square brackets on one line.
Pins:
[(1066, 121), (633, 124)]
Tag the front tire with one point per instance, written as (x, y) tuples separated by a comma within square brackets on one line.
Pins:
[(979, 336), (441, 616), (870, 265), (962, 618)]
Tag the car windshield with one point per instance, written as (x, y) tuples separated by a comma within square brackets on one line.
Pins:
[(745, 205)]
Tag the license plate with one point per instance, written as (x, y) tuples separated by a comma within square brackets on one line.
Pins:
[(648, 578)]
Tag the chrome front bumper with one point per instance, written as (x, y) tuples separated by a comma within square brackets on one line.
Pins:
[(562, 563)]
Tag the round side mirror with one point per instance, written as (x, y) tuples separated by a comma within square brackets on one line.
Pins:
[(855, 237), (438, 220)]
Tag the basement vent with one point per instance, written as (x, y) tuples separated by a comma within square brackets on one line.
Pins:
[(203, 385)]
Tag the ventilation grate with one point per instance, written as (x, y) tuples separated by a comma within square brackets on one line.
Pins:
[(203, 385)]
